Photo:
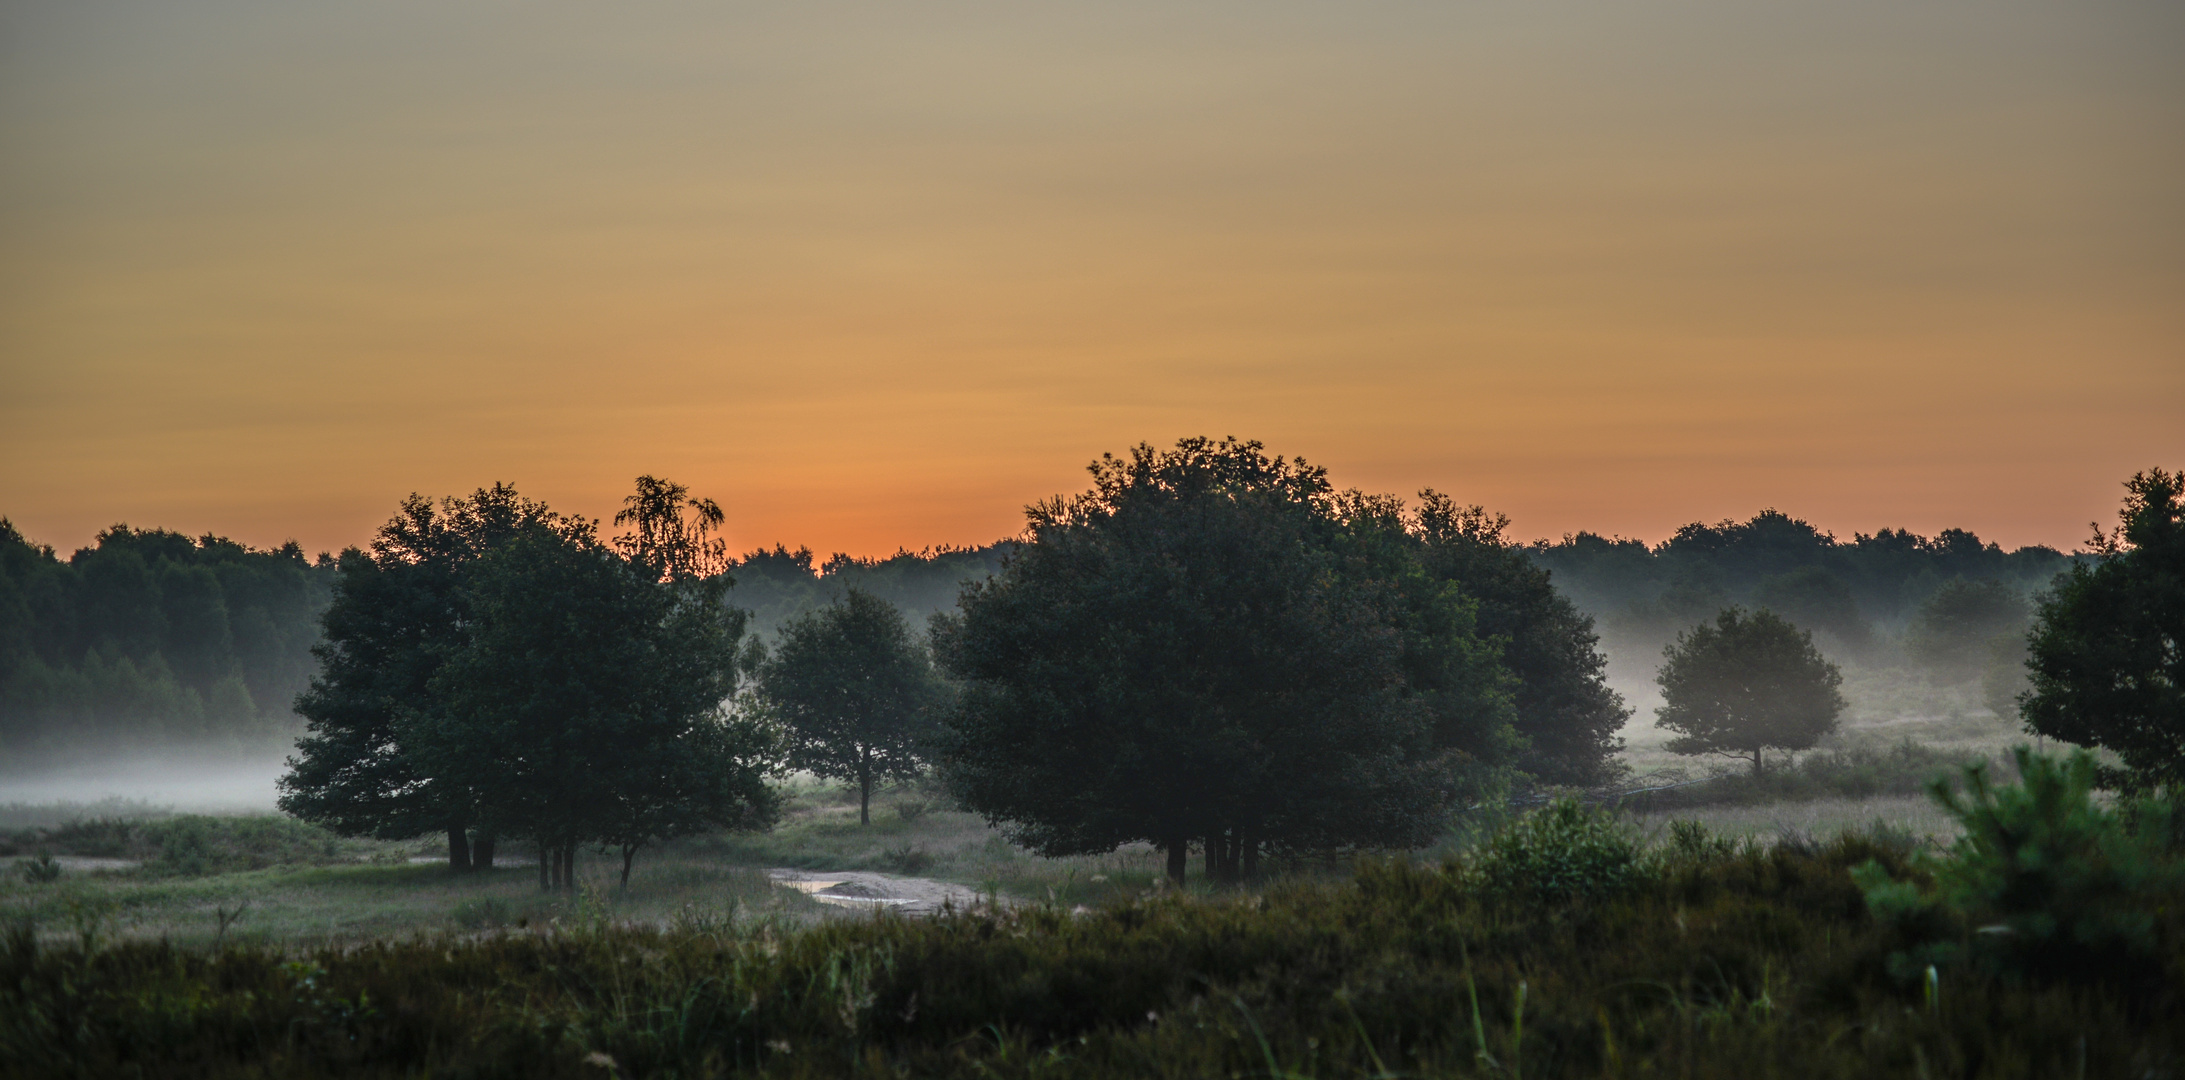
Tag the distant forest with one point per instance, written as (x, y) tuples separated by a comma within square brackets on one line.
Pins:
[(152, 638)]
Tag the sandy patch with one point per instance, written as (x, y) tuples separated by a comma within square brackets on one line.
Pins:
[(863, 890)]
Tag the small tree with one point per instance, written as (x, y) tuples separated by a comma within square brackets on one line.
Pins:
[(1745, 685), (2105, 655), (855, 692)]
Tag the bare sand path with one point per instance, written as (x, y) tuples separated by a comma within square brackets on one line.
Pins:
[(864, 890)]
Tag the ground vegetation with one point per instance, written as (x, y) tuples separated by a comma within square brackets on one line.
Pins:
[(1693, 956)]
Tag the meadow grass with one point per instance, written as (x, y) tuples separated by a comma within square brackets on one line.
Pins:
[(1749, 962)]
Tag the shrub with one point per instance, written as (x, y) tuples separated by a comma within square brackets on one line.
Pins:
[(40, 869), (482, 913), (1561, 854), (196, 844), (2045, 882), (906, 859), (909, 810), (1689, 841)]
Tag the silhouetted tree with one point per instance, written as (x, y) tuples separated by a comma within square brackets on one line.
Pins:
[(670, 532), (585, 703), (1746, 684), (1207, 646), (2105, 655), (397, 613), (1565, 708), (857, 695)]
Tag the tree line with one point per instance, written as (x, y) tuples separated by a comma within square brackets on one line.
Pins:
[(149, 637)]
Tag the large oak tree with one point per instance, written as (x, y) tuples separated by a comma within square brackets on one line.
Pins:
[(1211, 645)]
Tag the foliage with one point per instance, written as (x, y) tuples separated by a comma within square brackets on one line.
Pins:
[(1563, 705), (1770, 561), (2106, 661), (857, 695), (1210, 645), (583, 702), (1964, 625), (151, 637), (1757, 963), (1812, 597), (2045, 883), (39, 870), (492, 666), (397, 614), (671, 533), (1745, 685), (1562, 854), (779, 584)]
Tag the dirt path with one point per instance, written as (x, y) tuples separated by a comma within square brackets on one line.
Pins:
[(863, 890)]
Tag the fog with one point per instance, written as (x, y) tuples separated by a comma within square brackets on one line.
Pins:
[(207, 782)]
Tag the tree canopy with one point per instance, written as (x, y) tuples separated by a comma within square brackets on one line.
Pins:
[(856, 693), (2105, 658), (150, 638), (1211, 645), (1564, 707), (584, 703), (493, 669), (1746, 684)]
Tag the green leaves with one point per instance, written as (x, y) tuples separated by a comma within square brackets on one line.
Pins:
[(1745, 684), (2045, 881), (2107, 655)]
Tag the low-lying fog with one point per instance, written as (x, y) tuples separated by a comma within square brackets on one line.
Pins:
[(184, 782)]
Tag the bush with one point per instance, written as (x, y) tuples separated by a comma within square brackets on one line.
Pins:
[(2045, 882), (906, 859), (909, 810), (1689, 841), (483, 913), (39, 870), (197, 844), (1557, 855)]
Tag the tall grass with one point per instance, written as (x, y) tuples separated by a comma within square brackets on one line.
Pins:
[(1730, 961)]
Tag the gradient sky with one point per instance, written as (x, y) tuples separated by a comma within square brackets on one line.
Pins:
[(877, 274)]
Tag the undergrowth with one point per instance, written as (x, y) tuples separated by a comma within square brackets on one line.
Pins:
[(1907, 768), (1723, 962), (192, 844)]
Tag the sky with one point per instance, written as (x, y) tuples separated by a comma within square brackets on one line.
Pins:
[(876, 275)]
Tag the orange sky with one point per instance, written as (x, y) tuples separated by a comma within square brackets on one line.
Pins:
[(875, 275)]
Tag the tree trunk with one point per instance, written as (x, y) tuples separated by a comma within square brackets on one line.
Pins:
[(1176, 856), (546, 883), (458, 849), (1250, 844), (864, 786), (481, 852), (629, 851), (569, 868), (1756, 764)]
